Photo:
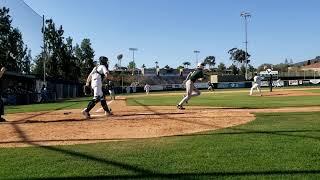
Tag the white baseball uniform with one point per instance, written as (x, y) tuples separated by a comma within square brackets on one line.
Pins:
[(147, 88), (96, 81), (256, 84)]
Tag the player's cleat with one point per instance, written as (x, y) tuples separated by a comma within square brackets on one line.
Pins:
[(108, 113), (85, 113), (2, 119), (180, 107)]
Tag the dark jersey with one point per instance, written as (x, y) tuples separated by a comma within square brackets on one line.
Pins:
[(198, 73), (110, 85)]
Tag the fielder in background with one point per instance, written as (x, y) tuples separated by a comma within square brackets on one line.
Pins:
[(211, 87), (256, 84), (191, 90), (96, 77), (3, 69), (278, 83), (111, 90), (147, 88)]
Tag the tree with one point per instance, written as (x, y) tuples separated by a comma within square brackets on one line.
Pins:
[(132, 65), (143, 66), (291, 62), (251, 68), (286, 61), (26, 63), (12, 49), (210, 61), (88, 56), (38, 65), (239, 56), (264, 67), (167, 67), (180, 67), (156, 64), (234, 69), (84, 57), (119, 57), (54, 47), (5, 30), (116, 66), (309, 62), (251, 71), (186, 64), (242, 70), (221, 68)]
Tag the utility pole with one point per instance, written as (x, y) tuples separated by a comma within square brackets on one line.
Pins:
[(246, 15), (44, 50)]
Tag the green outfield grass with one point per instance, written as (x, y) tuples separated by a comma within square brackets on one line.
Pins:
[(235, 99), (65, 104), (275, 145)]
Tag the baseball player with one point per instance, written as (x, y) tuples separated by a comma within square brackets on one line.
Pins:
[(256, 84), (211, 87), (111, 90), (3, 69), (278, 83), (147, 88), (191, 90), (95, 77)]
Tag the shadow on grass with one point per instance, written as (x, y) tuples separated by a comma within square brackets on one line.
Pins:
[(194, 175), (241, 130), (142, 173)]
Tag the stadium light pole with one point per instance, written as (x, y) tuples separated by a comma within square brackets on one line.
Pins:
[(133, 50), (196, 52), (246, 15)]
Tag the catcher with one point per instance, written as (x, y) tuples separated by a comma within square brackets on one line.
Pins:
[(96, 77)]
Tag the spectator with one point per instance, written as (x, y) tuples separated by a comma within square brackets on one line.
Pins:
[(43, 94)]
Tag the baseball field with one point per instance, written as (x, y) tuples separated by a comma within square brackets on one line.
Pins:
[(221, 134)]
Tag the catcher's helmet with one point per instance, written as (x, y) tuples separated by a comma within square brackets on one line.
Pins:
[(103, 60)]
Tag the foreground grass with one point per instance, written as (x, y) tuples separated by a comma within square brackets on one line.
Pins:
[(65, 104), (236, 100), (277, 145)]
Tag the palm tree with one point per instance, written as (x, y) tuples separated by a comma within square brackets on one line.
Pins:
[(186, 64), (119, 57), (210, 61), (156, 64), (116, 66)]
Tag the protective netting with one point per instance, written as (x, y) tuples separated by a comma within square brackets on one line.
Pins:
[(27, 21)]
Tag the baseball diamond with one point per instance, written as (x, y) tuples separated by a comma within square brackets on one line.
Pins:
[(159, 89)]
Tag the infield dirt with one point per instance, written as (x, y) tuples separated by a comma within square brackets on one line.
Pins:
[(64, 127)]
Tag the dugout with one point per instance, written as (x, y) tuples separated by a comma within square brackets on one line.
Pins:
[(18, 88)]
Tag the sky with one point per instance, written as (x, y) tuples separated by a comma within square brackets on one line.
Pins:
[(168, 31)]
